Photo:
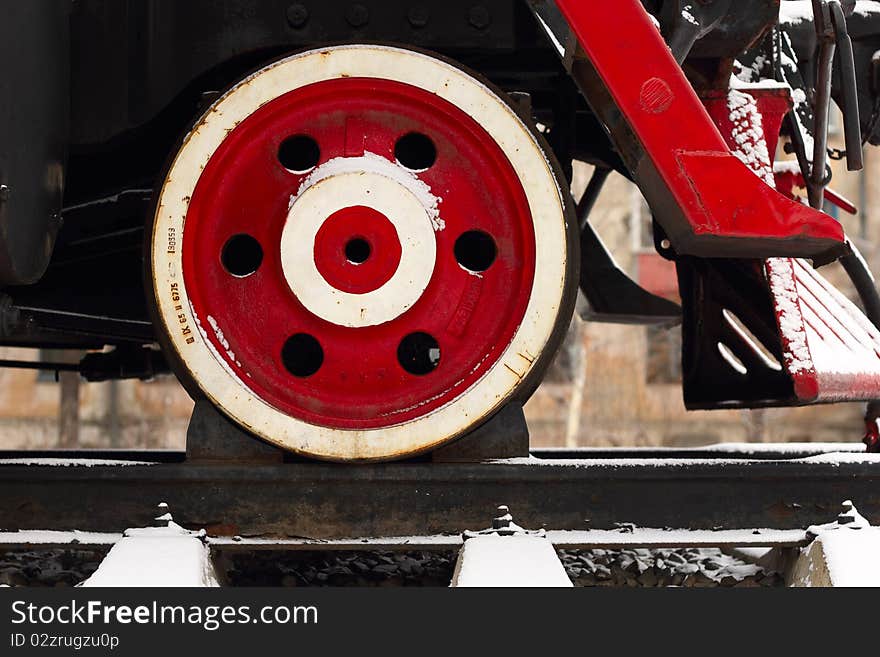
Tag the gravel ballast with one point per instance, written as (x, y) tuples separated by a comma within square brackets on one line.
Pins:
[(689, 567)]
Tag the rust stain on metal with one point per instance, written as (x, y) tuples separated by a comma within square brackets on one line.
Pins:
[(783, 510), (517, 374)]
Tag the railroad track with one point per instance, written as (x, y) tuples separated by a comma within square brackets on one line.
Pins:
[(726, 497), (565, 490)]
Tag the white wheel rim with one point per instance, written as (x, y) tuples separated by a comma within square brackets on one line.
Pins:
[(208, 369)]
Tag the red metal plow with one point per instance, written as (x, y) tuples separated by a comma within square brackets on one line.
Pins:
[(756, 332)]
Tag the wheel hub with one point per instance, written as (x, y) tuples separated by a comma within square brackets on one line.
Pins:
[(380, 222)]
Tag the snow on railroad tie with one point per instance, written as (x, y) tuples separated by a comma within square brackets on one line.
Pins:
[(161, 556), (842, 554), (509, 561), (506, 555)]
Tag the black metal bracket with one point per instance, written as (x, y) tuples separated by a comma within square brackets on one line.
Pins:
[(505, 435), (693, 22), (729, 336), (211, 437), (611, 295)]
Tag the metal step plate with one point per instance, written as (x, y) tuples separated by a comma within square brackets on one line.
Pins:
[(830, 349)]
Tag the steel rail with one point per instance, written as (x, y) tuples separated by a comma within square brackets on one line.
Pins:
[(331, 501)]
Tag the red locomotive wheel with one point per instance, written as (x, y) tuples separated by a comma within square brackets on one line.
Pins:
[(356, 265)]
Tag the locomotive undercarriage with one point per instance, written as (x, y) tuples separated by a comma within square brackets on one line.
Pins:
[(141, 74)]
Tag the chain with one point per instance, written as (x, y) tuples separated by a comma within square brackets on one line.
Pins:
[(872, 122), (839, 153)]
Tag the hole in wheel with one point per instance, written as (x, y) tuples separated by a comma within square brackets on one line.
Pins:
[(302, 355), (418, 353), (415, 151), (242, 255), (475, 250), (299, 154), (357, 250)]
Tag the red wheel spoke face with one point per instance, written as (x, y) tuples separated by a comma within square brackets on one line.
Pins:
[(360, 175), (359, 254)]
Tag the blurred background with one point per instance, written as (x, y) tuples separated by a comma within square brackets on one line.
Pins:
[(611, 385)]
